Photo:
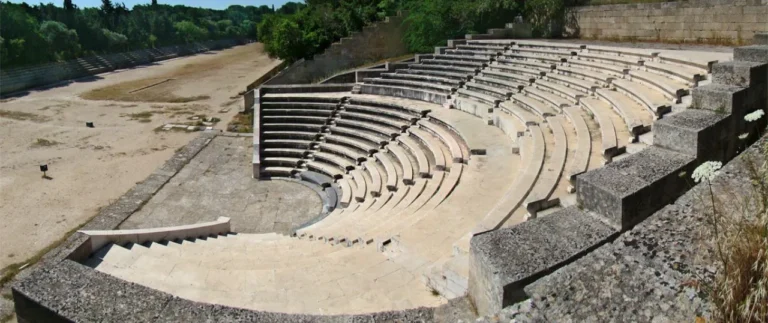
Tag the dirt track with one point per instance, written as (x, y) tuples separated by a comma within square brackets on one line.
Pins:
[(90, 167)]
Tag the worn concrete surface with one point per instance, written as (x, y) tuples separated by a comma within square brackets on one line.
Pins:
[(217, 182)]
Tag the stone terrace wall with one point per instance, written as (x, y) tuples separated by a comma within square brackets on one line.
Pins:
[(23, 78), (375, 42), (712, 21)]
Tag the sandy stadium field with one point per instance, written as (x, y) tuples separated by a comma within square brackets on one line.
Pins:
[(91, 167)]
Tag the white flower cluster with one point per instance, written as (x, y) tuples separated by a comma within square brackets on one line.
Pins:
[(707, 170), (754, 116)]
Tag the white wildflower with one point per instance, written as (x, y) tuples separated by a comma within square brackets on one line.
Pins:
[(743, 136), (707, 170), (754, 116)]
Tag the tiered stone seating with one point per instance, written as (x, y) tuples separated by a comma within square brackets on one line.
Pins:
[(268, 272), (472, 138)]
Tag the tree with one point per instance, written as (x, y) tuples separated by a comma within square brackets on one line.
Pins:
[(287, 40), (45, 32), (63, 41), (189, 32), (289, 8), (107, 11), (114, 40), (69, 6)]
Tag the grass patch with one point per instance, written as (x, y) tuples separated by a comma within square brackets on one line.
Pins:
[(126, 92), (143, 117), (10, 271), (241, 123), (604, 2), (188, 99), (41, 142), (23, 116), (737, 224)]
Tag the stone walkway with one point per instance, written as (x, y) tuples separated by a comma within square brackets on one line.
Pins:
[(217, 182)]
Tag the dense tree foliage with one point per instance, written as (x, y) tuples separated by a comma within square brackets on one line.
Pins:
[(299, 31), (431, 22), (45, 32)]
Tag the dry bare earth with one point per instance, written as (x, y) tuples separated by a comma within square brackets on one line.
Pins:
[(92, 167)]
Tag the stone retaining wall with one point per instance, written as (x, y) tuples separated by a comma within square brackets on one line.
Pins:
[(23, 78), (708, 21), (374, 43)]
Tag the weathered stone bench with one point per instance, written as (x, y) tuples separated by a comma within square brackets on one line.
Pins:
[(458, 77), (389, 168), (541, 102), (432, 144), (423, 85), (651, 100), (352, 142), (301, 135), (581, 155), (405, 163), (532, 150), (492, 91), (452, 83), (600, 110), (619, 103), (457, 154), (422, 162), (538, 107), (404, 92), (539, 197), (296, 112)]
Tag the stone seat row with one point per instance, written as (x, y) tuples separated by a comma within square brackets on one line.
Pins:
[(670, 88), (675, 67)]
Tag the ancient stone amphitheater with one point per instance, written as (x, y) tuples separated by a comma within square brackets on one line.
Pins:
[(472, 173)]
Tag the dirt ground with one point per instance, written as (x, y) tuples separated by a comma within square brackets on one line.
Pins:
[(91, 167)]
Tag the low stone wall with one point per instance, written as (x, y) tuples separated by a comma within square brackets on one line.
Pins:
[(615, 199), (374, 43), (266, 76), (100, 238), (709, 21), (23, 78)]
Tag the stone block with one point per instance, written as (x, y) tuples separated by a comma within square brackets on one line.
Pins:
[(627, 191), (720, 98), (754, 53), (703, 134), (72, 292), (760, 39), (249, 100), (740, 73), (499, 268)]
